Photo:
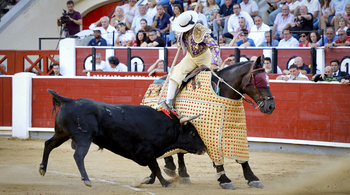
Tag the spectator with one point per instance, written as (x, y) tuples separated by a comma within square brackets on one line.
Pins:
[(233, 23), (56, 70), (257, 32), (135, 26), (304, 69), (151, 10), (244, 42), (288, 40), (201, 17), (98, 40), (222, 17), (292, 4), (153, 40), (177, 12), (250, 7), (345, 81), (242, 25), (281, 21), (342, 40), (268, 66), (72, 21), (295, 74), (327, 76), (171, 6), (160, 67), (304, 42), (115, 65), (210, 11), (125, 36), (303, 22), (313, 38), (326, 14), (140, 38), (222, 41), (342, 8), (3, 71), (145, 27), (313, 7), (266, 42), (119, 17), (188, 7), (335, 64), (107, 31), (273, 14), (100, 65), (230, 59), (329, 38), (130, 10), (342, 24), (161, 20)]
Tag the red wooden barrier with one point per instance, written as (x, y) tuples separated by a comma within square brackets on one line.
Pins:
[(5, 101)]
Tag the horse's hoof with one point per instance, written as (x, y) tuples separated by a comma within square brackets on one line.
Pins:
[(256, 184), (167, 185), (87, 183), (147, 180), (41, 170), (227, 186), (169, 172), (185, 180)]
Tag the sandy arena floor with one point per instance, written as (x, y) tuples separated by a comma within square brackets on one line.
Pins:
[(281, 173)]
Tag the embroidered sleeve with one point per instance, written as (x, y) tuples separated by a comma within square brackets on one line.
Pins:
[(214, 48)]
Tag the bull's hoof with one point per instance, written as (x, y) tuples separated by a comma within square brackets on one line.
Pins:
[(255, 184), (41, 170), (227, 186), (169, 172), (87, 183), (147, 180), (185, 180)]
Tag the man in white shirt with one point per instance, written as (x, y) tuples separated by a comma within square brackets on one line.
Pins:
[(288, 40), (233, 20), (135, 26), (201, 17), (107, 31), (250, 7), (100, 65), (295, 74), (257, 32), (115, 65), (281, 21)]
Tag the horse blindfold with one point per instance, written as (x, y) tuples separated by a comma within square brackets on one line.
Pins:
[(259, 80)]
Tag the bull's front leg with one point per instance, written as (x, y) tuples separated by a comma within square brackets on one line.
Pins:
[(81, 149), (153, 165), (253, 180), (182, 169)]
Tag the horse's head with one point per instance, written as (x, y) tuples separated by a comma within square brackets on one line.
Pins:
[(256, 85)]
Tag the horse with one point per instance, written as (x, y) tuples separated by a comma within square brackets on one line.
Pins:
[(233, 82)]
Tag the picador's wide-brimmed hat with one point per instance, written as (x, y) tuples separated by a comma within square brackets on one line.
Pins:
[(185, 21)]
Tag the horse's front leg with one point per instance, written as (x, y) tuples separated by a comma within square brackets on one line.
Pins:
[(225, 182), (253, 180)]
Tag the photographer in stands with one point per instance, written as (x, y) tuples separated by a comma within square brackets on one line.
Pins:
[(70, 21)]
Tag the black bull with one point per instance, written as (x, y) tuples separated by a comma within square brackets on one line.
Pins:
[(139, 133)]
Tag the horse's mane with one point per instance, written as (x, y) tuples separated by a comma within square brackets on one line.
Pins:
[(239, 64)]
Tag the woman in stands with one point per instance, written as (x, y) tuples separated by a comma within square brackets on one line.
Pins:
[(343, 24), (130, 10), (140, 38), (125, 36), (119, 17), (210, 11), (188, 7), (326, 14), (304, 42), (177, 12), (313, 38)]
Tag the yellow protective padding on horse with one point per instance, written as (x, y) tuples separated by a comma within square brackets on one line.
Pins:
[(222, 125)]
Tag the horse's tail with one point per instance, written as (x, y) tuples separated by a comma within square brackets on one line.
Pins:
[(57, 100)]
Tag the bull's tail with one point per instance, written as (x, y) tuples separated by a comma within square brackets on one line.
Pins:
[(57, 100)]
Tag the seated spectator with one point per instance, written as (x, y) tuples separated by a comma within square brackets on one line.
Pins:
[(288, 40), (242, 25), (107, 31), (125, 36), (100, 65), (98, 40), (303, 22), (326, 14), (343, 40), (281, 21), (151, 8), (189, 7), (210, 11), (56, 70), (345, 80), (295, 74), (335, 64), (158, 66), (230, 60), (153, 40), (144, 26), (140, 38), (119, 17), (304, 42), (257, 32), (226, 10), (115, 65), (130, 10), (266, 42), (327, 76), (313, 38), (250, 7), (3, 71), (233, 23), (342, 24), (201, 17), (135, 26), (244, 42), (171, 6), (313, 7), (177, 12), (342, 8), (222, 41), (304, 69), (161, 20), (329, 38), (268, 66)]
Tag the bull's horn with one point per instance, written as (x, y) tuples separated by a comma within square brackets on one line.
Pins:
[(187, 119)]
